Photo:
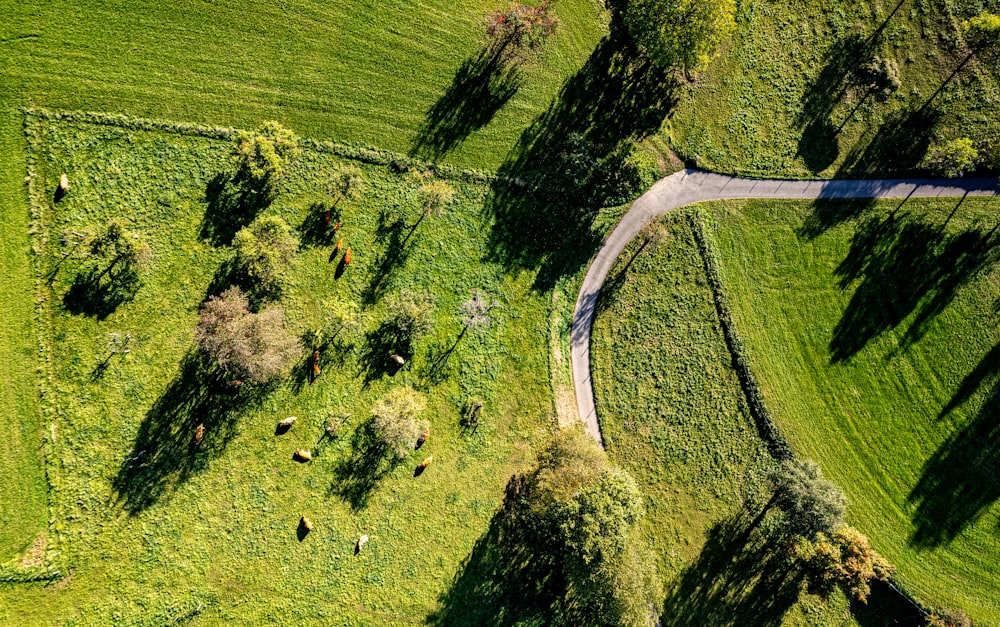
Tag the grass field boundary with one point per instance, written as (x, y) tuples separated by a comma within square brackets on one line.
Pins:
[(346, 150), (776, 442)]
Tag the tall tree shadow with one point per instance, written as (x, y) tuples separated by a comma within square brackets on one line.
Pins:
[(393, 233), (481, 87), (574, 159), (317, 227), (959, 482), (503, 581), (898, 145), (99, 294), (167, 452), (357, 476), (380, 344), (902, 266), (741, 576), (231, 204)]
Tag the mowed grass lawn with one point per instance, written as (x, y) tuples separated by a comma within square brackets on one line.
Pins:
[(872, 330), (211, 531), (672, 413)]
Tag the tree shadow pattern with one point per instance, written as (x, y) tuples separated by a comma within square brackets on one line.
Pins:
[(481, 87), (959, 482), (741, 574), (393, 234), (902, 266), (99, 294), (165, 453), (898, 145), (504, 581), (356, 477), (314, 229), (232, 204), (573, 160), (380, 344), (842, 74)]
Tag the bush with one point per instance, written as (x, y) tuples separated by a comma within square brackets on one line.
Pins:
[(522, 27), (245, 345), (952, 159), (394, 420), (410, 317), (845, 559)]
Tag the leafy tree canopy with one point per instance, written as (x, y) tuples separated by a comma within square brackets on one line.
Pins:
[(682, 34)]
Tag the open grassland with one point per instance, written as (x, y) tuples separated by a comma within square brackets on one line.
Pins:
[(365, 72), (785, 96), (872, 331), (672, 412), (147, 528)]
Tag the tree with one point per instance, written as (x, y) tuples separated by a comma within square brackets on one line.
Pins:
[(682, 34), (410, 317), (521, 28), (952, 159), (811, 504), (262, 250), (261, 157), (394, 420), (435, 196), (346, 183), (583, 513), (845, 559), (245, 345)]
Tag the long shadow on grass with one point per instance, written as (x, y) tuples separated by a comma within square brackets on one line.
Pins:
[(503, 581), (960, 481), (356, 476), (900, 266), (166, 451), (232, 203), (741, 576), (99, 293), (392, 233), (575, 159), (481, 87)]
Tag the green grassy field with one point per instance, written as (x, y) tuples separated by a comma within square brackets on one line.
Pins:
[(672, 413), (211, 531), (872, 332), (784, 96)]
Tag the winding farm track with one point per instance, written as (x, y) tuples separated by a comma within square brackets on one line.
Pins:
[(691, 186)]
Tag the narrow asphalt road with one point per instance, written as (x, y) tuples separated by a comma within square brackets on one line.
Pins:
[(691, 186)]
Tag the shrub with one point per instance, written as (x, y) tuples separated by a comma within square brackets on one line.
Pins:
[(522, 27), (952, 159), (845, 559), (410, 317), (811, 503), (394, 420), (245, 345)]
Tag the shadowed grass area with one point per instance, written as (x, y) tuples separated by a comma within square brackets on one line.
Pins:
[(173, 493), (794, 92), (875, 346)]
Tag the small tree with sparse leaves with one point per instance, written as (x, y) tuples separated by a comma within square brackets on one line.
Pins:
[(521, 28), (410, 317), (394, 420)]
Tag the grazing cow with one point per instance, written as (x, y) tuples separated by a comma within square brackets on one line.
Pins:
[(423, 437), (397, 359), (199, 433), (306, 523), (347, 257), (426, 462)]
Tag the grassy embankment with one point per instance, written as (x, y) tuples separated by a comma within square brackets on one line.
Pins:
[(872, 332)]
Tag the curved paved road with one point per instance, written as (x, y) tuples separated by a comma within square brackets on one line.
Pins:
[(690, 186)]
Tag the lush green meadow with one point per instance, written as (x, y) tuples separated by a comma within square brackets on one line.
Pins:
[(147, 528), (673, 413), (785, 97), (872, 331)]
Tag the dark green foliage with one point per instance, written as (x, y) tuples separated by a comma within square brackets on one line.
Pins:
[(811, 504)]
